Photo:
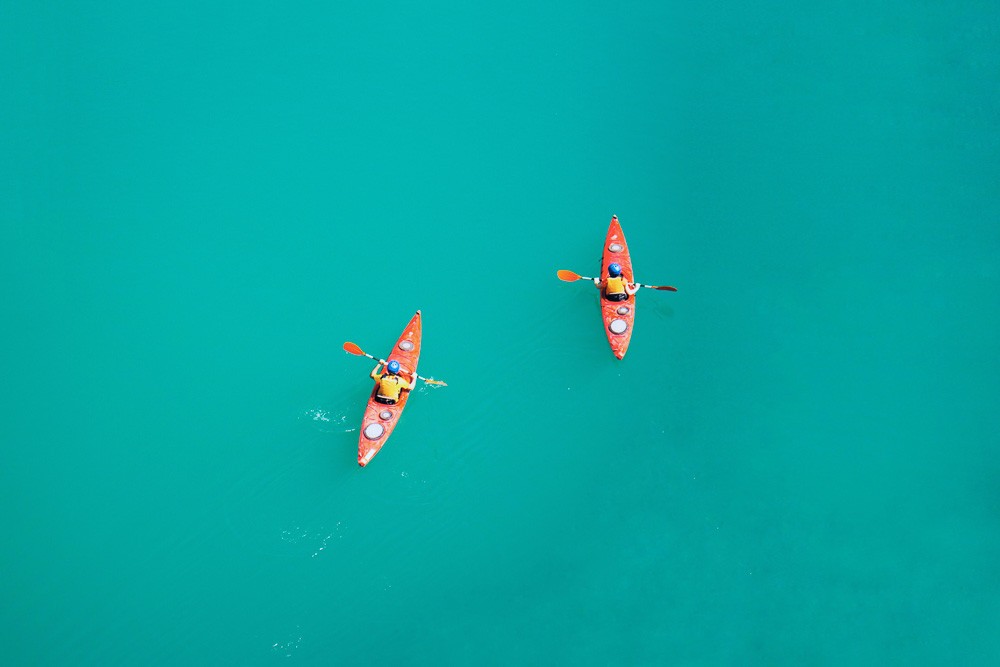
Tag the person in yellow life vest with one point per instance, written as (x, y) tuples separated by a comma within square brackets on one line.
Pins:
[(615, 287), (391, 384)]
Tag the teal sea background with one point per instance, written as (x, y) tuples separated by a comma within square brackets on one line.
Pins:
[(795, 464)]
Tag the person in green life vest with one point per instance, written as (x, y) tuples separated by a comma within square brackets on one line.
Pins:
[(615, 287), (391, 384)]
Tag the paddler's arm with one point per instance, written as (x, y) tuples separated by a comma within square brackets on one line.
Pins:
[(374, 373), (599, 283), (631, 288), (413, 381)]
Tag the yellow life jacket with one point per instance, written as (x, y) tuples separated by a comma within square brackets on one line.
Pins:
[(389, 386), (615, 285)]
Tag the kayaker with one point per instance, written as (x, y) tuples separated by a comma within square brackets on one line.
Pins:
[(390, 383), (615, 287)]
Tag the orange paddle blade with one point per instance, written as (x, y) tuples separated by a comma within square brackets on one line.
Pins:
[(353, 349), (568, 276)]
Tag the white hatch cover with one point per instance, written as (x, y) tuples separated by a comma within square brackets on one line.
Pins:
[(618, 326), (385, 415), (374, 431), (622, 310), (406, 345), (616, 247)]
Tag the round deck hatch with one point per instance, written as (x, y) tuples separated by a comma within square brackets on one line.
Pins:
[(385, 415), (374, 431), (616, 247), (622, 310), (406, 345), (617, 326)]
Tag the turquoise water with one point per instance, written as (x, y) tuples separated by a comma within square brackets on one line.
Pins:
[(795, 464)]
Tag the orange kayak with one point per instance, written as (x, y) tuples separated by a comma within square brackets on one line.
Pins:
[(618, 315), (380, 419)]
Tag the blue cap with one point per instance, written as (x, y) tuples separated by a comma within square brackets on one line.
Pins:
[(393, 366), (615, 269)]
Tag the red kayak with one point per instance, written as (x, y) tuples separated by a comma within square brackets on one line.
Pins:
[(618, 315), (380, 419)]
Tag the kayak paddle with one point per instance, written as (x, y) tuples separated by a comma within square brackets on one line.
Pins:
[(570, 277), (351, 348)]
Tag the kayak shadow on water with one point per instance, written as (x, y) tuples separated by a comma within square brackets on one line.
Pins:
[(663, 311)]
